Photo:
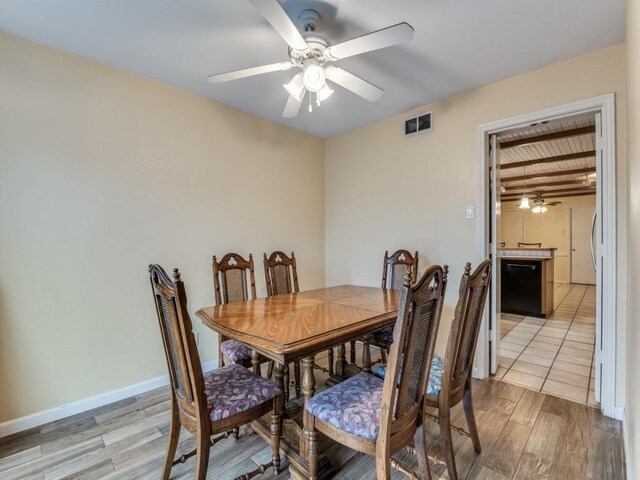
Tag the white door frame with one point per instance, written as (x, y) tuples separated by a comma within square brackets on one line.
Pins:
[(605, 104)]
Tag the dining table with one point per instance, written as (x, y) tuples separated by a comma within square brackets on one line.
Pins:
[(295, 328)]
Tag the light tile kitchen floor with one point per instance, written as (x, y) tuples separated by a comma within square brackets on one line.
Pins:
[(553, 355)]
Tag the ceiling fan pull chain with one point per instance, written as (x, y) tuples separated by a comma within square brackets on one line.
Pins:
[(310, 107)]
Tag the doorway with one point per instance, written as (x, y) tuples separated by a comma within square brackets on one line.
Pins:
[(579, 300)]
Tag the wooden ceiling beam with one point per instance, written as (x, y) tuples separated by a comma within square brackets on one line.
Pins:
[(559, 158), (576, 132), (546, 197), (548, 184), (550, 192), (559, 173)]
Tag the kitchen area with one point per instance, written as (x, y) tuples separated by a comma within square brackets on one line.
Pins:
[(546, 275)]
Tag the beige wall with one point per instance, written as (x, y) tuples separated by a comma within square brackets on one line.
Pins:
[(94, 161), (552, 228), (384, 191), (632, 424), (102, 173)]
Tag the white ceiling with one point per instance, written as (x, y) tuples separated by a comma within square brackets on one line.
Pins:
[(458, 45)]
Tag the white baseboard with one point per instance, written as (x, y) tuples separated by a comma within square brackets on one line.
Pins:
[(63, 411), (628, 454)]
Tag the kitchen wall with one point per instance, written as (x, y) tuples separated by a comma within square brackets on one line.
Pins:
[(384, 191), (552, 228), (632, 423), (102, 173)]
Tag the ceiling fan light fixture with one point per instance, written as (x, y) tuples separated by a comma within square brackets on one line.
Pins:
[(313, 77), (295, 87), (543, 209), (536, 209), (325, 92)]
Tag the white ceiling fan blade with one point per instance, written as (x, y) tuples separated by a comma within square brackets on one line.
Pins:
[(400, 33), (249, 72), (292, 107), (353, 83), (280, 21)]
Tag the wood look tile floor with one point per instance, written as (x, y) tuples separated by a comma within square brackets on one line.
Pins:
[(524, 435), (554, 355)]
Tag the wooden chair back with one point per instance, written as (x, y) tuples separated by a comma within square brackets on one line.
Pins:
[(524, 244), (230, 278), (465, 328), (396, 266), (414, 339), (185, 370), (281, 273)]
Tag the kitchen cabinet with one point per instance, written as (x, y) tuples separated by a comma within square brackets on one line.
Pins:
[(526, 283)]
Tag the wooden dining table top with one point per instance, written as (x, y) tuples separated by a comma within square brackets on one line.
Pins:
[(288, 327)]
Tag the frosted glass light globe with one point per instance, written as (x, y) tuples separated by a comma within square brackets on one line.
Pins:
[(313, 77)]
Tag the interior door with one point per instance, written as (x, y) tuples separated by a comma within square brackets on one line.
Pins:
[(582, 228), (496, 238), (597, 253)]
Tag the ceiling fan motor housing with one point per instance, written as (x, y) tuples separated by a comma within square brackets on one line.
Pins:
[(309, 20), (317, 46)]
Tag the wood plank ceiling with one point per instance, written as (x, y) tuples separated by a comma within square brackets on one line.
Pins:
[(555, 159)]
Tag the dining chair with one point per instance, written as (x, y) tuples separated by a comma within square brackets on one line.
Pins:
[(524, 244), (233, 276), (208, 404), (394, 268), (281, 275), (450, 379), (380, 417)]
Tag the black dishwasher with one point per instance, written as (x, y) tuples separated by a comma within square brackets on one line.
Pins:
[(521, 287)]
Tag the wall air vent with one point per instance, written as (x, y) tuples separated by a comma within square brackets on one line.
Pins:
[(418, 124)]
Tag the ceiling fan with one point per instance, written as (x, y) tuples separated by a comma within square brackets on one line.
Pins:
[(540, 205), (314, 56)]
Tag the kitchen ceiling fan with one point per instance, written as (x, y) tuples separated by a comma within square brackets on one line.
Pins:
[(314, 56), (540, 205)]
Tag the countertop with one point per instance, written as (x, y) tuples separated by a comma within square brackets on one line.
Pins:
[(523, 257)]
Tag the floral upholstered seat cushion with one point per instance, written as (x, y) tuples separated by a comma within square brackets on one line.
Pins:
[(234, 389), (353, 406), (235, 350), (384, 336), (435, 376)]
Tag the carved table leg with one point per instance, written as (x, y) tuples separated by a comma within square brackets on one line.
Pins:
[(287, 371), (255, 362), (308, 389), (330, 359), (278, 373), (342, 360), (296, 378), (366, 354)]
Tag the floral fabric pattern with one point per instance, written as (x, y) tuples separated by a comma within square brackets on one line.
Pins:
[(235, 350), (384, 336), (234, 389), (435, 376), (353, 406)]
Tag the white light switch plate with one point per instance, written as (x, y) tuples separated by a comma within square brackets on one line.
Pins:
[(471, 212)]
